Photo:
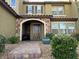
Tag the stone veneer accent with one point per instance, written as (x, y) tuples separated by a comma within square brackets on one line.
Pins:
[(46, 20)]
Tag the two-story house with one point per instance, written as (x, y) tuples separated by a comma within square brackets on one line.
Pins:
[(36, 19)]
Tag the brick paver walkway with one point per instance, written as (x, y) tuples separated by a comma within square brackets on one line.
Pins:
[(27, 50)]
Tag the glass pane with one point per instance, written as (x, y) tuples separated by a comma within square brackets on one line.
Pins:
[(55, 31), (54, 25), (36, 29), (71, 25), (55, 12), (54, 8), (58, 10), (62, 25), (29, 8), (39, 9), (61, 12)]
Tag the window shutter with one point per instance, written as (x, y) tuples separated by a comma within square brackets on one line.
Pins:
[(26, 9), (35, 9), (32, 9), (41, 9)]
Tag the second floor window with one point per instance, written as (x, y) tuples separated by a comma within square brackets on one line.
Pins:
[(58, 10), (29, 9), (34, 9), (38, 9)]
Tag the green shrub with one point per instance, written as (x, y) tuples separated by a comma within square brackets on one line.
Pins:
[(2, 48), (2, 43), (13, 40), (49, 35), (76, 35), (64, 47)]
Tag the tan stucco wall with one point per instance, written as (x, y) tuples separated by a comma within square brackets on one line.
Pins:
[(48, 9), (74, 9), (75, 14), (67, 10), (7, 23), (21, 7)]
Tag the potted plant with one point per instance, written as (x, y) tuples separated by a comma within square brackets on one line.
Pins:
[(45, 40)]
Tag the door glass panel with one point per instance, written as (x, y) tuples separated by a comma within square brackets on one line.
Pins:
[(36, 28)]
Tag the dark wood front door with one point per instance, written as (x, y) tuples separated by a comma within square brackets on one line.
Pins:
[(36, 32)]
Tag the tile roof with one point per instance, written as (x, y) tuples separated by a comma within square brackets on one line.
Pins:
[(64, 19), (36, 16)]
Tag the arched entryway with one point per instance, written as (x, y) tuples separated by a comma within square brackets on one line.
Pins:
[(32, 29)]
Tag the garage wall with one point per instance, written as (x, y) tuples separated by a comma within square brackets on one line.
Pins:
[(7, 23)]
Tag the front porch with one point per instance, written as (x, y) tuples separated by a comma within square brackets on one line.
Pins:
[(33, 28)]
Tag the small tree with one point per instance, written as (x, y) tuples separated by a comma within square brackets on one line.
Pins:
[(64, 47), (75, 35)]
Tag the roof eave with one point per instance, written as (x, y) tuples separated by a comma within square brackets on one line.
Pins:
[(36, 16), (63, 2), (64, 19)]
